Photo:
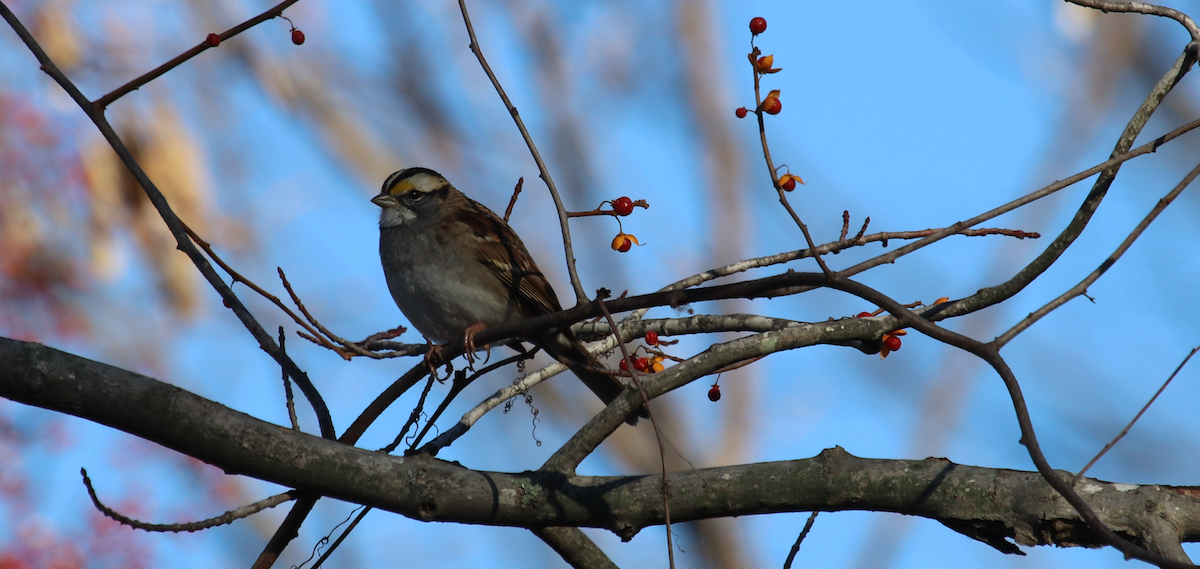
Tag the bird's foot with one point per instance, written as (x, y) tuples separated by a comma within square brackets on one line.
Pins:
[(469, 343), (432, 359)]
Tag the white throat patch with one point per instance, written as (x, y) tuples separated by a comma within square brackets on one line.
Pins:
[(397, 215)]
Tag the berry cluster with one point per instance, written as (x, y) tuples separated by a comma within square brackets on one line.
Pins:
[(622, 207), (771, 104), (652, 362), (890, 341)]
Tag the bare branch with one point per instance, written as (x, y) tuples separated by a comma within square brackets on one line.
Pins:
[(1143, 8), (103, 102), (991, 354), (433, 490), (787, 564), (1081, 288), (580, 293), (513, 201), (223, 519), (1125, 431), (999, 293), (662, 449), (759, 112), (265, 342), (574, 547)]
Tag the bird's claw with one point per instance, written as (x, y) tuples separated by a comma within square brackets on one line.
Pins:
[(469, 343)]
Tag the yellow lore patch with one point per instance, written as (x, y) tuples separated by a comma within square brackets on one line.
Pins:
[(401, 187)]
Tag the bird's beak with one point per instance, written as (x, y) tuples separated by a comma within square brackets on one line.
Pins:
[(384, 200)]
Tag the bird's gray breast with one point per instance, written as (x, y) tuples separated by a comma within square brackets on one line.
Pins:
[(440, 289)]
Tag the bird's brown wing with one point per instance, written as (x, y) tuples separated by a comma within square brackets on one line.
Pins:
[(503, 253)]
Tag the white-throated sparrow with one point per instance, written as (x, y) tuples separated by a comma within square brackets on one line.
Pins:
[(454, 267)]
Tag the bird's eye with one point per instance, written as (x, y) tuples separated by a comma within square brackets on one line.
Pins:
[(415, 195)]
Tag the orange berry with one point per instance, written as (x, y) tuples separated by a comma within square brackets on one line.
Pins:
[(772, 105), (623, 242)]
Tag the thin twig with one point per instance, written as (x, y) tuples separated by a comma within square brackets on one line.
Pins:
[(413, 417), (223, 519), (580, 293), (1142, 8), (1033, 196), (239, 278), (990, 296), (287, 385), (762, 134), (1125, 431), (513, 201), (333, 546), (662, 451), (317, 333), (1081, 288), (349, 349), (103, 102), (799, 539), (862, 230), (609, 212), (456, 388), (325, 539)]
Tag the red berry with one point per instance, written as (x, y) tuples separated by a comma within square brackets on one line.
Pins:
[(863, 315), (714, 393), (624, 365), (790, 184), (757, 26), (740, 112), (625, 246), (892, 343), (652, 338), (623, 206), (772, 105), (641, 364), (297, 36), (213, 40)]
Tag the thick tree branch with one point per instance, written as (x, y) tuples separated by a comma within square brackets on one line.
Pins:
[(996, 506)]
